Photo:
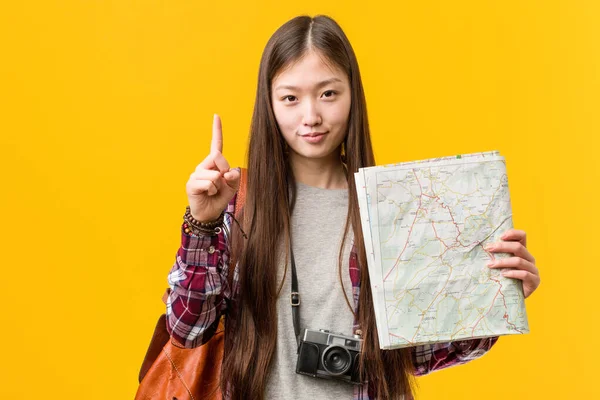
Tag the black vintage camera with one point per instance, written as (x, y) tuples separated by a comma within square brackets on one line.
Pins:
[(329, 355)]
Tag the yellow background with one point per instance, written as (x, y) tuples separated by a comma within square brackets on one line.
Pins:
[(107, 107)]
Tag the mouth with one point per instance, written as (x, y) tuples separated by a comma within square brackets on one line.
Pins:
[(313, 134), (314, 137)]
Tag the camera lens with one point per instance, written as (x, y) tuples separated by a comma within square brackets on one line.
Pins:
[(336, 360)]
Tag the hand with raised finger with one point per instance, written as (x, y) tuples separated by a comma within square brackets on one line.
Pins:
[(213, 184), (521, 265)]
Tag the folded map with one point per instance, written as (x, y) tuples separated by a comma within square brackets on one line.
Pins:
[(425, 225)]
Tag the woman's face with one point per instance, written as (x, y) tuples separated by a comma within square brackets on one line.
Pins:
[(311, 101)]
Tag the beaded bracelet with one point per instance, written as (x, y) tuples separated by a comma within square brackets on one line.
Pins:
[(201, 228)]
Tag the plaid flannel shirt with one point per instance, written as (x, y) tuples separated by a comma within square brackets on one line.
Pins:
[(200, 291)]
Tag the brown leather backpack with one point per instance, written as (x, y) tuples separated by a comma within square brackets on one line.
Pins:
[(175, 373)]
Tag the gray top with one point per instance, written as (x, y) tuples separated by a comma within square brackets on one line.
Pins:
[(317, 228)]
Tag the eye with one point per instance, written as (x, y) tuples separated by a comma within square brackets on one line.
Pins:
[(329, 93), (289, 97)]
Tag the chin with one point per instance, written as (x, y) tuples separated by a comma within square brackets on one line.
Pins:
[(315, 155)]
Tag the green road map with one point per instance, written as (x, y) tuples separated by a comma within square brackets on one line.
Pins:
[(425, 225)]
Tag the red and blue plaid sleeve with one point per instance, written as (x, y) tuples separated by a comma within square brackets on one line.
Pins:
[(433, 357), (199, 286)]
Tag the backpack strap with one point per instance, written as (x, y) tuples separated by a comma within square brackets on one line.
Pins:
[(240, 201), (240, 198)]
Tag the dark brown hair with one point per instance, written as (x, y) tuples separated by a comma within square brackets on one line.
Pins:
[(251, 329)]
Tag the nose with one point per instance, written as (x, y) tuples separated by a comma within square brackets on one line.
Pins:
[(312, 116)]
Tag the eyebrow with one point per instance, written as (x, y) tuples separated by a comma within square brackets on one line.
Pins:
[(319, 85)]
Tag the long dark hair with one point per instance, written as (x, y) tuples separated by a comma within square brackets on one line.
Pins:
[(251, 328)]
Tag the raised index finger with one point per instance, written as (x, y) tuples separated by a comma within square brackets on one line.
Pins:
[(217, 135)]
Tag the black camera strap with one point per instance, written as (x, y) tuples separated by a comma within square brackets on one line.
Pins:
[(295, 298)]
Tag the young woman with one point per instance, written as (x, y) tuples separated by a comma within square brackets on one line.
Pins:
[(309, 134)]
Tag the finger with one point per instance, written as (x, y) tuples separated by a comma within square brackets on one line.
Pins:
[(208, 163), (530, 281), (202, 186), (514, 262), (525, 276), (216, 144), (232, 178), (515, 248), (515, 235), (220, 162), (207, 174), (214, 161)]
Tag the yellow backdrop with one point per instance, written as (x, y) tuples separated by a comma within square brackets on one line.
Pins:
[(107, 108)]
